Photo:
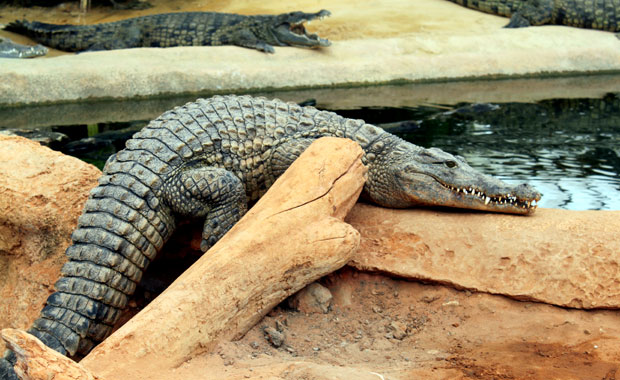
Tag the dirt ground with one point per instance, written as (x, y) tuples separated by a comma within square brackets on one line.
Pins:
[(385, 328)]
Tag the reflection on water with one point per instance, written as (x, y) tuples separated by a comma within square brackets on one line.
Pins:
[(569, 149)]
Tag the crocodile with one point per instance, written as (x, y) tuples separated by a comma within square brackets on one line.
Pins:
[(9, 49), (601, 14), (115, 4), (260, 32), (209, 160)]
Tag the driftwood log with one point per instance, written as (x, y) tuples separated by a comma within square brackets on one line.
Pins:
[(294, 235), (36, 361)]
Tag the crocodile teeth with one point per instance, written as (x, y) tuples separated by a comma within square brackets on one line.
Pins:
[(507, 199), (324, 41)]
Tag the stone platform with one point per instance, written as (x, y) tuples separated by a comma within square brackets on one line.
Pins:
[(394, 41)]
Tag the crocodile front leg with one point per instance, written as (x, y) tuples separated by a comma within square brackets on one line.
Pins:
[(213, 193), (532, 13), (246, 38)]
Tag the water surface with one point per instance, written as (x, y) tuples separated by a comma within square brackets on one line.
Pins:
[(568, 148)]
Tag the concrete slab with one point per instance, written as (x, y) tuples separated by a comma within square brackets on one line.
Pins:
[(434, 94), (393, 41)]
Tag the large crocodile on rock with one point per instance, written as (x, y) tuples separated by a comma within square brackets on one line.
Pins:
[(600, 14), (261, 32), (9, 49), (209, 160)]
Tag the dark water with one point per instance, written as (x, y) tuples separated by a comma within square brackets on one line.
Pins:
[(567, 148)]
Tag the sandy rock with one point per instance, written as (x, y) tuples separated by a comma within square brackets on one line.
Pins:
[(42, 194), (397, 329), (565, 258), (273, 336), (291, 237), (36, 361), (314, 298), (53, 140)]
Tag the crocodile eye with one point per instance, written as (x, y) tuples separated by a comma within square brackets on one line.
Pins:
[(450, 163)]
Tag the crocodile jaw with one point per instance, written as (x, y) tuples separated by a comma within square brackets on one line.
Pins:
[(292, 32), (405, 175), (483, 193)]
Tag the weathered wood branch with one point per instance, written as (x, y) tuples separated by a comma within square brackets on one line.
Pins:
[(291, 237), (36, 361)]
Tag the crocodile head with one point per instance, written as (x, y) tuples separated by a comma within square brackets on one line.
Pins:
[(288, 29), (431, 177), (9, 49)]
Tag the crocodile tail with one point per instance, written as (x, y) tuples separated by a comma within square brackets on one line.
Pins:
[(494, 7), (63, 37), (73, 38), (6, 369), (118, 235), (18, 26), (38, 31)]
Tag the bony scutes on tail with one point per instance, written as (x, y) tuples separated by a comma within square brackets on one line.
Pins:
[(261, 32), (211, 159)]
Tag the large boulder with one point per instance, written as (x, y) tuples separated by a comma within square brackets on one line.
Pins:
[(560, 257)]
